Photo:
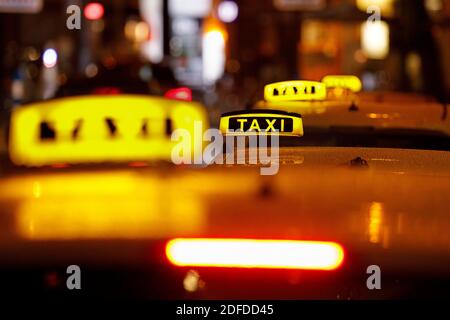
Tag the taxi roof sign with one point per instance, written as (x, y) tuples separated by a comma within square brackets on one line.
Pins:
[(261, 122), (343, 81), (98, 129), (295, 90)]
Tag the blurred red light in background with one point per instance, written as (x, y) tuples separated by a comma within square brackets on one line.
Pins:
[(94, 11), (52, 279), (184, 94), (106, 91)]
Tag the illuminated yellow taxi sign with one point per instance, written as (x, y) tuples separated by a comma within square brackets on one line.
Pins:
[(98, 129), (257, 122), (295, 90), (343, 82)]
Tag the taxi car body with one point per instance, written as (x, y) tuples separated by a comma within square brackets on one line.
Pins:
[(226, 232), (116, 225), (346, 114)]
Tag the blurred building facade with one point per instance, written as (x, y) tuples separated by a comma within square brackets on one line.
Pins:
[(228, 51)]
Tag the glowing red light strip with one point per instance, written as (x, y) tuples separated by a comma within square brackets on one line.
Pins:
[(94, 11), (184, 94), (250, 253)]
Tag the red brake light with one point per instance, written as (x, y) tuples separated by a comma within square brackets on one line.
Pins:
[(250, 253), (184, 94)]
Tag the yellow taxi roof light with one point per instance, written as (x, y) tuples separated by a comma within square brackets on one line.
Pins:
[(261, 122), (343, 82), (295, 90), (118, 128)]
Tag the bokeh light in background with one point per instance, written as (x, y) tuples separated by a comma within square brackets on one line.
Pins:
[(141, 32), (190, 8), (375, 39), (94, 11), (152, 13), (228, 11), (386, 6), (31, 54), (137, 31), (50, 58), (213, 56), (221, 49), (91, 70), (433, 5)]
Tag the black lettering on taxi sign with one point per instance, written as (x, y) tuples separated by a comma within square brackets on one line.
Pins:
[(261, 122)]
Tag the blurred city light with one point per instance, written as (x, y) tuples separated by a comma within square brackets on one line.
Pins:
[(145, 73), (152, 14), (375, 39), (228, 11), (370, 81), (185, 26), (94, 11), (386, 6), (190, 8), (50, 58), (141, 32), (213, 48), (433, 5), (192, 281), (31, 53), (129, 29), (91, 70), (184, 94), (137, 31), (22, 6), (213, 56), (17, 89)]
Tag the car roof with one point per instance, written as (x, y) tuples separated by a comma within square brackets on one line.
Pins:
[(396, 204), (394, 97), (362, 113)]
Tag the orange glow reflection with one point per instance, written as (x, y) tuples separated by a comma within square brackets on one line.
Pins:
[(121, 204), (375, 222)]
